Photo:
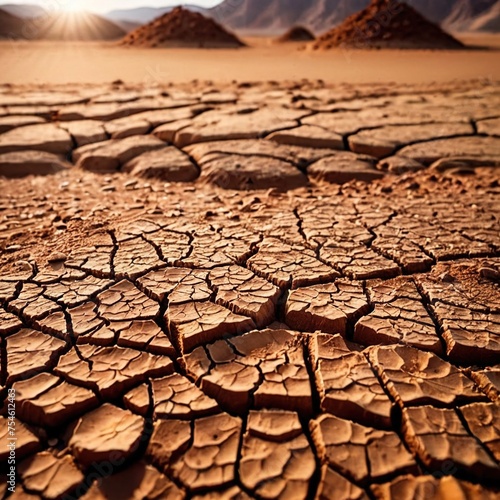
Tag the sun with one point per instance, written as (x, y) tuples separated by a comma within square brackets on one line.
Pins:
[(72, 5)]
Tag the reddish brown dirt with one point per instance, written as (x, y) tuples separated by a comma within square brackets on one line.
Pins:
[(387, 24), (182, 27)]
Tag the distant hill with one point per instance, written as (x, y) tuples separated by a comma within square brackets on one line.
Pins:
[(70, 26), (296, 34), (488, 22), (34, 23), (128, 26), (467, 13), (280, 15), (10, 26), (24, 11)]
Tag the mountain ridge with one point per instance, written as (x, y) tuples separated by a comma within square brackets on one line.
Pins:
[(145, 15), (488, 22), (322, 15), (277, 16), (23, 11)]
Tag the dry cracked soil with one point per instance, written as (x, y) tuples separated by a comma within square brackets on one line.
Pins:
[(251, 291)]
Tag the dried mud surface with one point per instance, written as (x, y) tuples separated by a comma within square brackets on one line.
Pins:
[(252, 291)]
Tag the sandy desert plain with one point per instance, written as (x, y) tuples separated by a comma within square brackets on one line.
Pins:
[(103, 62), (263, 273)]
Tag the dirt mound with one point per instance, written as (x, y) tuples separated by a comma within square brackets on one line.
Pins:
[(182, 28), (74, 26), (10, 26), (387, 24), (297, 34)]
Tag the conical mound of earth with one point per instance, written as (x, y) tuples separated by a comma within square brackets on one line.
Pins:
[(297, 34), (387, 24), (75, 26), (182, 28)]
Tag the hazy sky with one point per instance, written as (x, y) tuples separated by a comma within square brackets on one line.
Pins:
[(107, 5)]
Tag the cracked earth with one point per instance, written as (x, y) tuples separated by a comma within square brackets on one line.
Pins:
[(256, 291)]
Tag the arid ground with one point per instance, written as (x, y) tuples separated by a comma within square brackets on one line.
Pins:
[(97, 62), (245, 290)]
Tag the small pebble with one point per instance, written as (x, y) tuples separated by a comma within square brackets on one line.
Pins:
[(490, 274), (130, 184), (13, 248), (57, 257), (447, 278), (24, 266), (461, 171)]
